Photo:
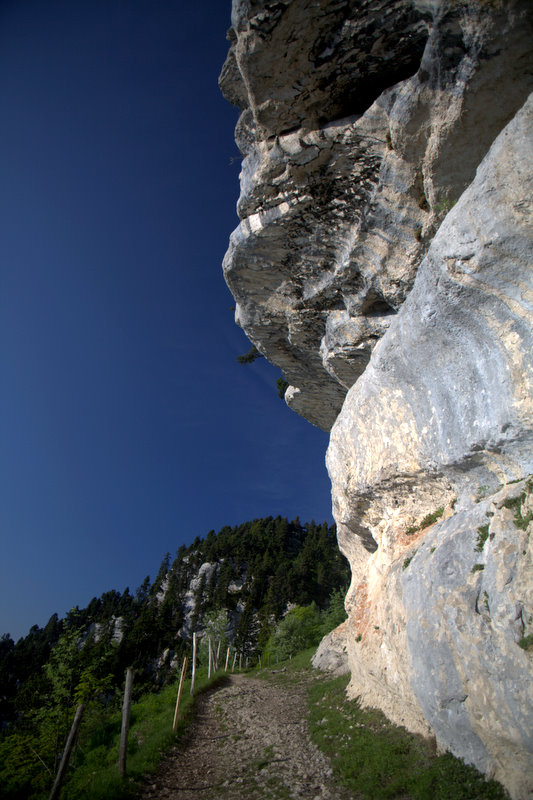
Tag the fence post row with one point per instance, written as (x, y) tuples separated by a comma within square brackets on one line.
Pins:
[(126, 706)]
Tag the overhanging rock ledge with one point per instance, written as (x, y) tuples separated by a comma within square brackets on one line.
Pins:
[(384, 263)]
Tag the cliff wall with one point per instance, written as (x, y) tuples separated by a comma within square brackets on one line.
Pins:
[(384, 262)]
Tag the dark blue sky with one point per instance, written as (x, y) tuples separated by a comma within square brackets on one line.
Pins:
[(126, 425)]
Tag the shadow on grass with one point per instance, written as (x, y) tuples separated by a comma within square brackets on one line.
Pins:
[(379, 760), (372, 757)]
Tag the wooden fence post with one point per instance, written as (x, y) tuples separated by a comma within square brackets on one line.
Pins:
[(182, 678), (193, 662), (66, 753), (126, 705)]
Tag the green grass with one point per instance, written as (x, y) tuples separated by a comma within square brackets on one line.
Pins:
[(483, 533), (370, 756), (526, 642), (428, 520), (289, 671), (94, 773), (515, 503), (378, 760)]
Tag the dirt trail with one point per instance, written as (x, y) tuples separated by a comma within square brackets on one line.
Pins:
[(249, 741)]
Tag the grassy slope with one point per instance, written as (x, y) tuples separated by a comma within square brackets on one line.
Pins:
[(374, 758), (369, 755), (95, 776)]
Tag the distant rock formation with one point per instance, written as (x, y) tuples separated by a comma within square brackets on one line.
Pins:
[(384, 261)]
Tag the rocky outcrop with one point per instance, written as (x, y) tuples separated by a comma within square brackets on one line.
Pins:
[(384, 262), (441, 417), (350, 165), (332, 652)]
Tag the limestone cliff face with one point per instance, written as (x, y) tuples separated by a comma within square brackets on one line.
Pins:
[(384, 262)]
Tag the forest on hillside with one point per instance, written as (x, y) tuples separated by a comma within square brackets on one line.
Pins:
[(246, 578)]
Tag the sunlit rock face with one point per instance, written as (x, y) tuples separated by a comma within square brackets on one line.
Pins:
[(384, 262), (440, 420)]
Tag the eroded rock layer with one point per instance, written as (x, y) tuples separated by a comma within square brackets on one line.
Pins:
[(384, 262), (339, 207)]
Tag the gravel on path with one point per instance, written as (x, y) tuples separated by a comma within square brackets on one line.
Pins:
[(249, 741)]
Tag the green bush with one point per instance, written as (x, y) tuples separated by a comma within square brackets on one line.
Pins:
[(299, 629), (515, 503), (94, 774), (483, 532), (304, 627), (526, 642), (282, 386), (93, 770), (335, 613)]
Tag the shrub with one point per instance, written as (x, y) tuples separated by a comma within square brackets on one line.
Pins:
[(515, 503), (282, 385), (250, 356), (429, 519), (300, 629), (483, 533), (408, 560)]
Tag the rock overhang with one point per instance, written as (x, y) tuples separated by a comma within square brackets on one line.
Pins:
[(337, 215), (393, 288)]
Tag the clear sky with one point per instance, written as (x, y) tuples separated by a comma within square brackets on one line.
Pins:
[(126, 425)]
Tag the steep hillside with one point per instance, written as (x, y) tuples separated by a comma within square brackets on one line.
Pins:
[(248, 575), (384, 263)]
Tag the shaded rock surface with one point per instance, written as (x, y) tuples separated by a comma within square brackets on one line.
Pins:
[(350, 165), (384, 262)]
